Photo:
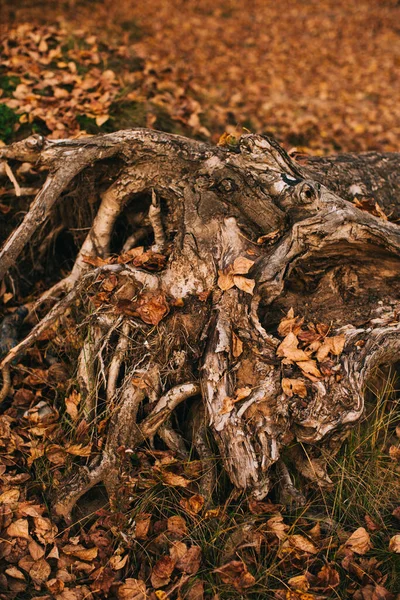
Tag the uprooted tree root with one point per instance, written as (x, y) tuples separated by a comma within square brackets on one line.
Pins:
[(234, 238)]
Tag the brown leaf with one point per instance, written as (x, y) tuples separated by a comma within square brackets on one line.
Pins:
[(16, 573), (331, 345), (177, 550), (151, 307), (174, 480), (301, 543), (309, 368), (19, 528), (196, 591), (394, 544), (132, 589), (118, 562), (194, 504), (190, 561), (359, 541), (143, 521), (288, 349), (276, 526), (162, 571), (72, 404), (371, 525), (327, 579), (152, 261), (79, 449), (244, 284), (35, 550), (40, 571), (225, 281), (290, 323), (394, 453), (235, 573), (373, 591), (177, 526), (242, 265), (294, 386), (80, 551)]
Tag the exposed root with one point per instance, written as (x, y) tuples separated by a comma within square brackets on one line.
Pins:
[(116, 361), (156, 223), (173, 440), (6, 387), (126, 433), (288, 493)]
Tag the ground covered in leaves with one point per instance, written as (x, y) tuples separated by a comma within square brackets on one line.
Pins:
[(321, 77)]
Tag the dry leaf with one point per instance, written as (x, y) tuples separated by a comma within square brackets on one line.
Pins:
[(225, 281), (359, 541), (244, 284), (309, 368), (174, 480), (132, 589), (194, 504), (299, 542), (19, 528), (72, 404), (242, 265), (151, 307), (143, 521), (162, 571), (235, 573), (394, 544), (40, 571), (80, 551), (276, 526), (288, 349), (294, 386), (190, 561), (177, 526), (118, 562)]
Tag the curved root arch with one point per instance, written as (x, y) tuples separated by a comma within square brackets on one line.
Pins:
[(263, 291)]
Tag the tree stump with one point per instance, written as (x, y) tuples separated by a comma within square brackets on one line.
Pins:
[(248, 280)]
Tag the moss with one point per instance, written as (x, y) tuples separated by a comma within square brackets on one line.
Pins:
[(8, 120)]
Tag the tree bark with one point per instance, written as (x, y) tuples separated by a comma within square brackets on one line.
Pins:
[(273, 300)]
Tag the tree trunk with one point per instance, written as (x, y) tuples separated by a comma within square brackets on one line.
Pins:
[(264, 291)]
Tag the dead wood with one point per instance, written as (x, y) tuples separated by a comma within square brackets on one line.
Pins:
[(271, 294)]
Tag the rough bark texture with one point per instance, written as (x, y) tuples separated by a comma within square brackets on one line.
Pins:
[(248, 234)]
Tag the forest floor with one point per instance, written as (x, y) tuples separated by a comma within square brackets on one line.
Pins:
[(322, 77)]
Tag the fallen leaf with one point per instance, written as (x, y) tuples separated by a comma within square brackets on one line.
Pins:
[(190, 561), (72, 404), (294, 386), (40, 571), (394, 544), (19, 528), (288, 349), (118, 562), (174, 480), (244, 284), (309, 368), (80, 551), (194, 504), (359, 541), (162, 571), (132, 589), (143, 521), (242, 265), (235, 573), (177, 525)]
